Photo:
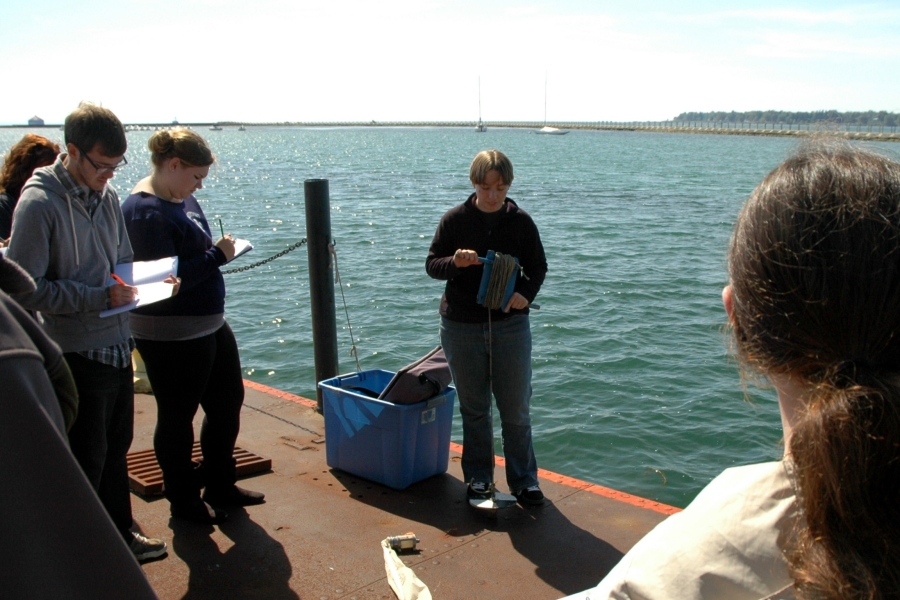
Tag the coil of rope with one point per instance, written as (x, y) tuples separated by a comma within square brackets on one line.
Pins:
[(504, 266)]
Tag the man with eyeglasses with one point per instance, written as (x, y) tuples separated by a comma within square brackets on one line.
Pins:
[(68, 234)]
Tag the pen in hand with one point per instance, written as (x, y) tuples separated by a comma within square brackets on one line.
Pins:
[(222, 229), (121, 294)]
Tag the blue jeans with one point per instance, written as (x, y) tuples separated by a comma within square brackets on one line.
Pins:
[(102, 433), (470, 353)]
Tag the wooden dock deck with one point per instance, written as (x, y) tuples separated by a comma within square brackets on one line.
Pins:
[(318, 535)]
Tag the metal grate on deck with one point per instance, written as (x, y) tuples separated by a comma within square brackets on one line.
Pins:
[(145, 476)]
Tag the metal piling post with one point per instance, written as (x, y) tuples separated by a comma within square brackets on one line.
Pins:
[(321, 281)]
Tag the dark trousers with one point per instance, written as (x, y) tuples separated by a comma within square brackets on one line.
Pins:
[(102, 433), (184, 375)]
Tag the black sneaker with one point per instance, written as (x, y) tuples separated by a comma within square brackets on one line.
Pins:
[(530, 496), (478, 490)]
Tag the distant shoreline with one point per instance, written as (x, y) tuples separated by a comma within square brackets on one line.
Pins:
[(861, 132)]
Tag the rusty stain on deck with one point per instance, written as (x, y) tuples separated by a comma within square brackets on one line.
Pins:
[(318, 534)]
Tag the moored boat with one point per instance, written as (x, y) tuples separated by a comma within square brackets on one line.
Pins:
[(546, 130)]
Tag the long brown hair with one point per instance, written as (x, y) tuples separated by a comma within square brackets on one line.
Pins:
[(29, 153), (815, 273)]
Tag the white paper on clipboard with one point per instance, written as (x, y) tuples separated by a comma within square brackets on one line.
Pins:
[(241, 247), (148, 276)]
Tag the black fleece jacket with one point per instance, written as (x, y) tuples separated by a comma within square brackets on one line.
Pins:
[(465, 227)]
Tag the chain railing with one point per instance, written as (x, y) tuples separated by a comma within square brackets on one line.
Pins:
[(268, 260)]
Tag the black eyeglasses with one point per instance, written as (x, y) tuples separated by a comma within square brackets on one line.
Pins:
[(104, 170)]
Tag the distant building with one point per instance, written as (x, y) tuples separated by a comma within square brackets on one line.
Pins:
[(35, 122)]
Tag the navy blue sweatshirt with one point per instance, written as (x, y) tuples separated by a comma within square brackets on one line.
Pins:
[(158, 229)]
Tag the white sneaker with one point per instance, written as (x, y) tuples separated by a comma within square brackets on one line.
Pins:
[(145, 548)]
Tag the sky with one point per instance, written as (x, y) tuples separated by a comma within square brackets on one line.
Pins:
[(260, 61)]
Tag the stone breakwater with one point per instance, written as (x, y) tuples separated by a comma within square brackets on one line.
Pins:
[(862, 132), (871, 133)]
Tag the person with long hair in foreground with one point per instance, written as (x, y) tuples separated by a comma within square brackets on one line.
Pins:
[(814, 306)]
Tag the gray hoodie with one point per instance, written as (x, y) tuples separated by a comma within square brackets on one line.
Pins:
[(70, 254)]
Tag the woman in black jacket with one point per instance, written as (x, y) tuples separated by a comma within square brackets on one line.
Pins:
[(490, 350)]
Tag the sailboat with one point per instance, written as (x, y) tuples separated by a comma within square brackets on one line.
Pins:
[(546, 130), (480, 128)]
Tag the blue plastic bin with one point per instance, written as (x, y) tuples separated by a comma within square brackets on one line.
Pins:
[(392, 444)]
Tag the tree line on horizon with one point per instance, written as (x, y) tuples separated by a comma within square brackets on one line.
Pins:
[(871, 117)]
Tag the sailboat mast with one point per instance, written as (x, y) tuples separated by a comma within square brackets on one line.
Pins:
[(546, 129), (479, 99), (545, 99), (480, 128)]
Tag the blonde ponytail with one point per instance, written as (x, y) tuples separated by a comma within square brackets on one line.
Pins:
[(181, 143)]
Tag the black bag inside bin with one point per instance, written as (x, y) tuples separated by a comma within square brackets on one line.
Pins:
[(421, 380)]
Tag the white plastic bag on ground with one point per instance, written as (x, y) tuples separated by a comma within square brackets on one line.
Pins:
[(401, 578)]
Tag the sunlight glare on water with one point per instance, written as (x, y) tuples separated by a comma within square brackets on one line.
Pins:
[(633, 387)]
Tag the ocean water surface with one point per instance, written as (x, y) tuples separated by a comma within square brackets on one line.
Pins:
[(633, 385)]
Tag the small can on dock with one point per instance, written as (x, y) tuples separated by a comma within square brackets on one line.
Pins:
[(392, 444)]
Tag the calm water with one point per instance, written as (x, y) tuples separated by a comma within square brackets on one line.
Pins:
[(633, 388)]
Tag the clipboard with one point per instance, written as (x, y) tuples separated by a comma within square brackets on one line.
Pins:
[(148, 277)]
